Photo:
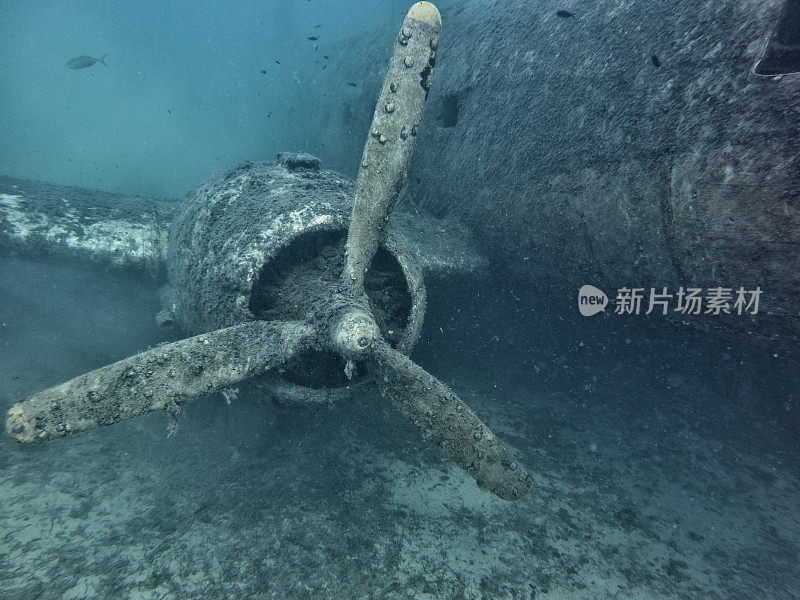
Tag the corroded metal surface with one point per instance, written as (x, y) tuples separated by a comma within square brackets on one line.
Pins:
[(231, 226), (42, 219), (446, 421), (392, 135), (162, 378)]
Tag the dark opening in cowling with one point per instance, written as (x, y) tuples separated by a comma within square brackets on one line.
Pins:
[(305, 270), (782, 54)]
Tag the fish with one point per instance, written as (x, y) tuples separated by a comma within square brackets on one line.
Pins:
[(277, 62), (263, 71), (656, 60), (83, 61), (325, 57), (351, 84), (313, 38), (564, 14)]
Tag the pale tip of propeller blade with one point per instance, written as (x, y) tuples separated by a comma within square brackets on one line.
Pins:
[(426, 12), (508, 480)]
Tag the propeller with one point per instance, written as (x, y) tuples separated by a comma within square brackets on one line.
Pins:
[(340, 319)]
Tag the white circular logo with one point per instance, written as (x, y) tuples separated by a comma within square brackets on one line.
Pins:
[(591, 300)]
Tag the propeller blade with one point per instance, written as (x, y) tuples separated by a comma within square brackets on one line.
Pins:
[(160, 378), (391, 138), (444, 419)]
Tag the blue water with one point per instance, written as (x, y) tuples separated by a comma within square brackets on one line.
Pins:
[(183, 95)]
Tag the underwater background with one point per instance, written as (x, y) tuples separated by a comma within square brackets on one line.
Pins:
[(183, 95), (664, 455)]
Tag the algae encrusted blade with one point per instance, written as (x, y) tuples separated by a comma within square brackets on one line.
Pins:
[(162, 378), (446, 421), (392, 135)]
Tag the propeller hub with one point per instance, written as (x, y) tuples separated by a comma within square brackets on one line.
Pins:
[(355, 334)]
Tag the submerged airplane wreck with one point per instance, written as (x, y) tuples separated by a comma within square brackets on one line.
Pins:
[(622, 146), (278, 274)]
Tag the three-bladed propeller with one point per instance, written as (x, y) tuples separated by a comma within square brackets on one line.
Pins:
[(342, 321)]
